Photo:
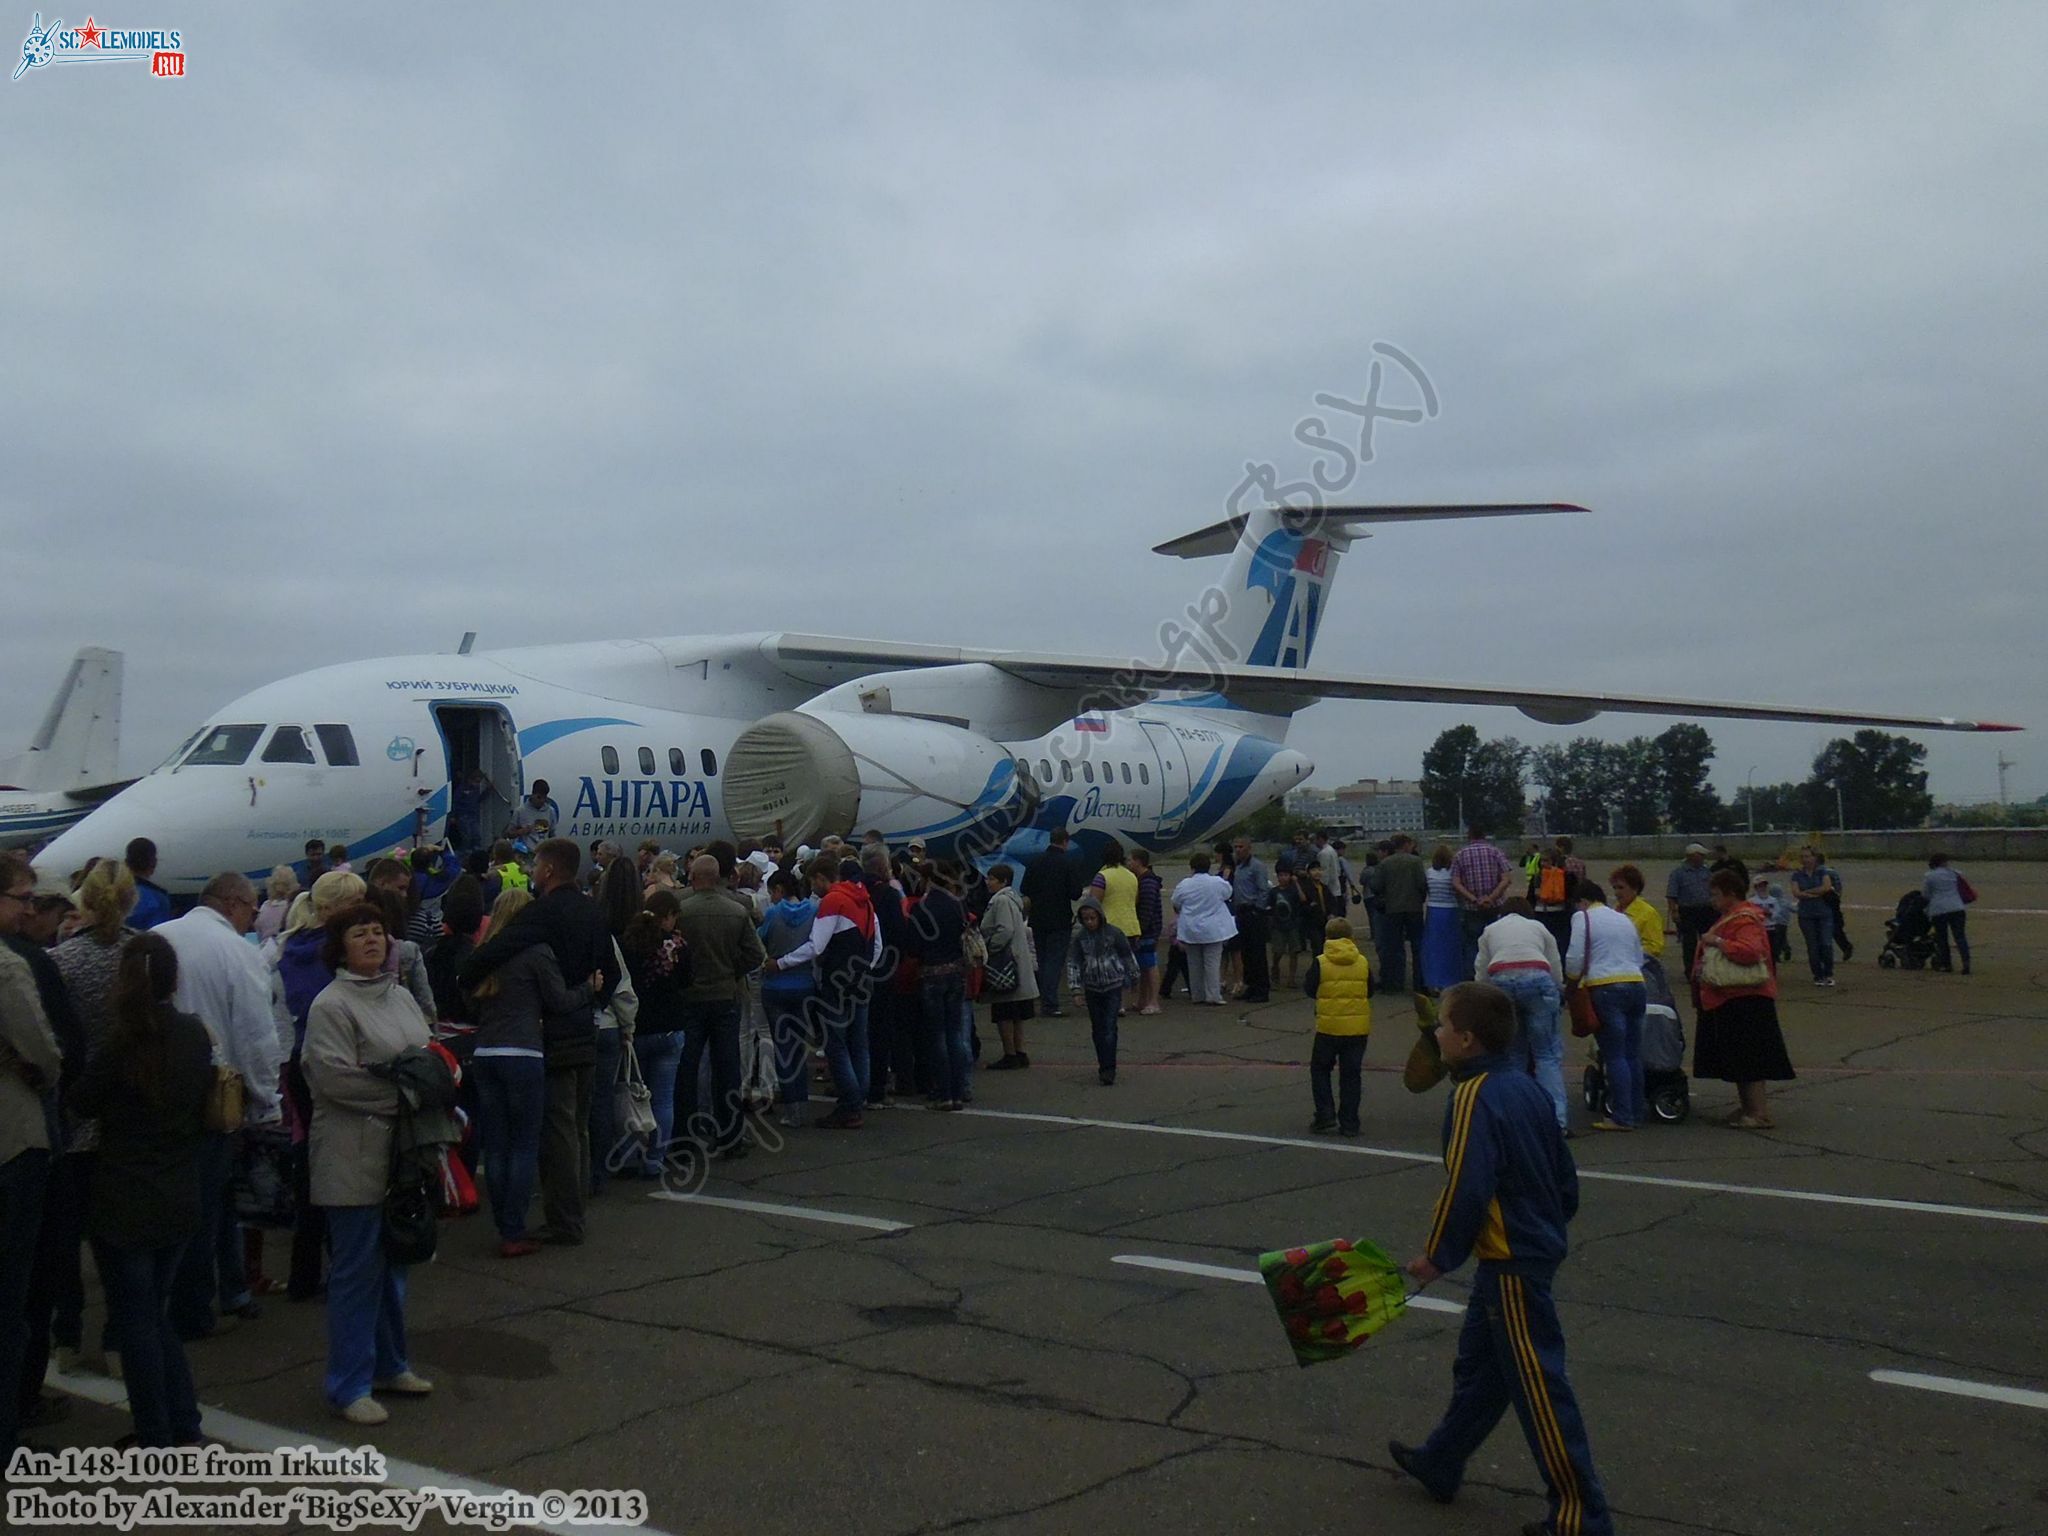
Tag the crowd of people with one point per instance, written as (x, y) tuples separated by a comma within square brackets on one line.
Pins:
[(616, 1014)]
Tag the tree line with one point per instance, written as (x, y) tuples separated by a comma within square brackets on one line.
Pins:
[(1658, 783)]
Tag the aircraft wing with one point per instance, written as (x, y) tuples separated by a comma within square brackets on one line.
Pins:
[(1109, 683)]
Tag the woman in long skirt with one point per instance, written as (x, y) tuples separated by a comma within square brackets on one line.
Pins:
[(1443, 929), (1738, 1039)]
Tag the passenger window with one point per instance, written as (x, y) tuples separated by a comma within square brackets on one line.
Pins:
[(1045, 769), (339, 743), (1088, 770), (1144, 777), (610, 757), (710, 760), (647, 762), (678, 765), (1066, 771), (288, 745), (1127, 773), (224, 746)]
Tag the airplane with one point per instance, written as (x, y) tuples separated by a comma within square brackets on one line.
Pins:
[(69, 766), (786, 737)]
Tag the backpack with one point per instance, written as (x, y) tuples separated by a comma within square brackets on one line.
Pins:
[(1550, 886)]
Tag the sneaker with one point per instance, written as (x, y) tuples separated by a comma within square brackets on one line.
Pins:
[(1611, 1125), (1322, 1127), (1409, 1460), (838, 1120), (1825, 981), (364, 1411), (792, 1120), (404, 1384), (517, 1247)]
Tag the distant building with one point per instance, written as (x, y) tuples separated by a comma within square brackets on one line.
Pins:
[(1377, 806)]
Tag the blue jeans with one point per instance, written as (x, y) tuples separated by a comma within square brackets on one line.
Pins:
[(210, 1269), (512, 1096), (365, 1305), (659, 1057), (716, 1027), (1817, 928), (1539, 1043), (846, 1053), (161, 1399), (1051, 947), (945, 1034), (24, 1181), (788, 1022), (1619, 1007), (1103, 1010)]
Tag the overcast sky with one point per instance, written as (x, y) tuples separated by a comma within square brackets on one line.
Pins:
[(926, 322)]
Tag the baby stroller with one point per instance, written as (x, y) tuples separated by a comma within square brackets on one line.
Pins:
[(1666, 1089), (1908, 935)]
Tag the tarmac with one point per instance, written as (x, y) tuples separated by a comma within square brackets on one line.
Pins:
[(977, 1352)]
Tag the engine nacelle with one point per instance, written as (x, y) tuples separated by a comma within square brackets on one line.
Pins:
[(797, 776)]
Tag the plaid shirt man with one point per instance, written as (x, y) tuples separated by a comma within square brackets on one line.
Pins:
[(1480, 868)]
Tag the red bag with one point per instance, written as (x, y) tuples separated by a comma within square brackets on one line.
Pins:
[(1965, 890), (1577, 999)]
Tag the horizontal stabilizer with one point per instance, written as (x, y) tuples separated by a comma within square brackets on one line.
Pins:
[(1221, 538)]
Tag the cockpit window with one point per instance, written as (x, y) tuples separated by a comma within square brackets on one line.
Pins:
[(225, 746), (289, 745), (339, 743), (178, 756)]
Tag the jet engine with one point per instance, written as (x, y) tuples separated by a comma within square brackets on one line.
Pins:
[(797, 776)]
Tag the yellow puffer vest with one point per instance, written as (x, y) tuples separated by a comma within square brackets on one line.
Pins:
[(1342, 1004)]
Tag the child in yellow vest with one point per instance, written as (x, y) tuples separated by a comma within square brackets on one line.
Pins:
[(1340, 980)]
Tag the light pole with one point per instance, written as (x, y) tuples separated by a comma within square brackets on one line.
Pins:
[(1841, 817), (1749, 790)]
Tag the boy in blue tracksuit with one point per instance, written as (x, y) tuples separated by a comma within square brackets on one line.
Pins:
[(1511, 1188)]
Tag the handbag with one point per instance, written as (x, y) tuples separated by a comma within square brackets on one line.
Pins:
[(1577, 999), (262, 1187), (411, 1219), (973, 947), (227, 1100), (1425, 1066), (1965, 890), (631, 1102), (1000, 970), (1725, 975)]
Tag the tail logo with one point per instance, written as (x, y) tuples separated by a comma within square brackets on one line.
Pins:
[(1291, 569)]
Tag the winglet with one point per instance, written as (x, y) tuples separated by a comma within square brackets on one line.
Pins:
[(1221, 538)]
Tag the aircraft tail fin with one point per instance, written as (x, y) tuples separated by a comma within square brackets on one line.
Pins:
[(1265, 611), (79, 741)]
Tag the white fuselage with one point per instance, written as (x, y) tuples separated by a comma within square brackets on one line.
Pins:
[(632, 739)]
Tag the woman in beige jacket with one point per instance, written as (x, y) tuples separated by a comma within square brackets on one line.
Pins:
[(363, 1016)]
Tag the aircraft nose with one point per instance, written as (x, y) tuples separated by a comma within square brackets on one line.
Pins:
[(105, 833)]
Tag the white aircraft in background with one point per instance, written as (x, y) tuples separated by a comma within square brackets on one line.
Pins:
[(791, 736), (69, 766)]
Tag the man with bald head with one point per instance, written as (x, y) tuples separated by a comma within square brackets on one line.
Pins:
[(724, 951), (223, 981)]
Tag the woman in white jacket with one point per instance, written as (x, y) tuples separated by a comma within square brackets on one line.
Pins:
[(1203, 925), (1606, 958)]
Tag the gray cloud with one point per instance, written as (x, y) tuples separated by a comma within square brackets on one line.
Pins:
[(927, 322)]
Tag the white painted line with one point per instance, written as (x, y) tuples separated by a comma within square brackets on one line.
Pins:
[(1955, 1386), (1654, 1181), (1252, 1277), (253, 1435), (1975, 911), (795, 1212)]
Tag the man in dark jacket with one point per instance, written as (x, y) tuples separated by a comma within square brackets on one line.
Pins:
[(568, 922), (894, 1022), (1051, 885), (724, 951)]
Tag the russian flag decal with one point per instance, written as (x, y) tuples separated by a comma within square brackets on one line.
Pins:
[(1092, 723)]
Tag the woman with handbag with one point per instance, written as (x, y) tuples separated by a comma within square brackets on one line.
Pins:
[(1013, 960), (659, 962), (363, 1017), (147, 1086), (507, 1062), (1738, 1039), (1948, 894), (1605, 962)]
